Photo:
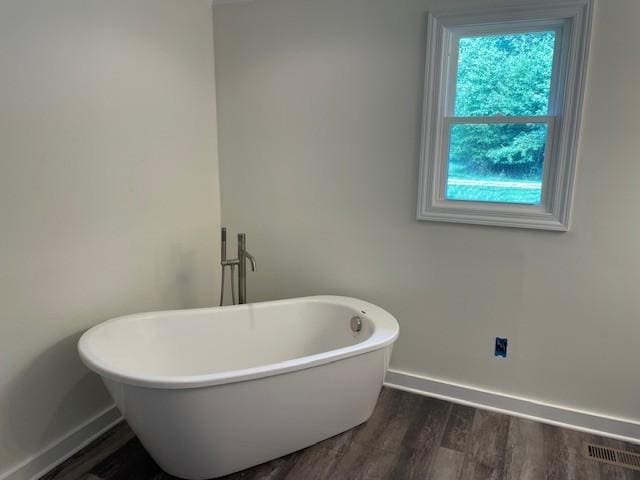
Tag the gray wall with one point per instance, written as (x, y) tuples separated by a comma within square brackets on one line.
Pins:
[(319, 117), (109, 197)]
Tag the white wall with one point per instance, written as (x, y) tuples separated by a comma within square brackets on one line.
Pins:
[(319, 117), (109, 197)]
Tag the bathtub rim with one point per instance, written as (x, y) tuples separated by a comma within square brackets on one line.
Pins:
[(386, 331)]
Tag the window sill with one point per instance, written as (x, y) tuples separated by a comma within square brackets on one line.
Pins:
[(498, 215)]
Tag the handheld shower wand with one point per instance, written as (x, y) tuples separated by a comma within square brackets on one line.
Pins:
[(223, 259)]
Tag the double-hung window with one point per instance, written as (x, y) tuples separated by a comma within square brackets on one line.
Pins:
[(503, 91)]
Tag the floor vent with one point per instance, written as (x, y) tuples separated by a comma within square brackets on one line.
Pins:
[(613, 456)]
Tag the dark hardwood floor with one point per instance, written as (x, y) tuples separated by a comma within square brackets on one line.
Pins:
[(408, 437)]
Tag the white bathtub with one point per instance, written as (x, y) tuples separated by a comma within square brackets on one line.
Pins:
[(216, 390)]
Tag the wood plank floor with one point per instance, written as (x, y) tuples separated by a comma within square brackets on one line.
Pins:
[(408, 437)]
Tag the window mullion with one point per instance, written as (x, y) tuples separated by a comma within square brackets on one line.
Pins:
[(500, 119)]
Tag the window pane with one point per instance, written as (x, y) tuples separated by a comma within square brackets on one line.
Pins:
[(496, 162), (507, 74)]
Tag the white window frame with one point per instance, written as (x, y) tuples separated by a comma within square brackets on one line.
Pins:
[(571, 20)]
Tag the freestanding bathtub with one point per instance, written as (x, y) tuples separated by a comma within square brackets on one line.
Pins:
[(216, 390)]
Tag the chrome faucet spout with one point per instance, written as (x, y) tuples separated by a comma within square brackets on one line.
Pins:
[(252, 260)]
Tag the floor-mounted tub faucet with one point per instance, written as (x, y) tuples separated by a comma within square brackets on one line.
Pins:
[(243, 256), (240, 262)]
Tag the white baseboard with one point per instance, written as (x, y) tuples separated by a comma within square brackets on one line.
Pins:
[(39, 464), (618, 428)]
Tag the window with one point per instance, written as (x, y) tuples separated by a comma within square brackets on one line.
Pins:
[(503, 91)]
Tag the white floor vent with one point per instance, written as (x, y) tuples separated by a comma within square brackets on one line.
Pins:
[(613, 456)]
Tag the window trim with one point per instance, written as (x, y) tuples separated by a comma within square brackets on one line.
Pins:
[(570, 17)]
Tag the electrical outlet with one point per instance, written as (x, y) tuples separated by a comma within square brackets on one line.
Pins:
[(501, 347)]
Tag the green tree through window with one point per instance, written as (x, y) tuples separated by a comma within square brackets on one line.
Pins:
[(505, 75)]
